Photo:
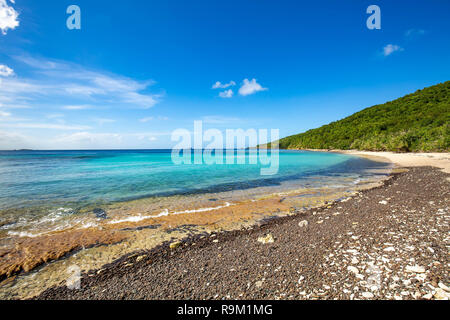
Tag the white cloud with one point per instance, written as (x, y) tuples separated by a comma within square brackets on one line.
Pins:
[(51, 126), (220, 120), (91, 140), (83, 139), (6, 71), (55, 116), (4, 114), (79, 107), (414, 33), (390, 49), (102, 121), (8, 17), (88, 140), (147, 119), (13, 140), (48, 126), (226, 94), (250, 87), (14, 106), (55, 81), (7, 118), (219, 85)]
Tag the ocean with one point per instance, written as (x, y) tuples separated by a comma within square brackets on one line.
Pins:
[(41, 187)]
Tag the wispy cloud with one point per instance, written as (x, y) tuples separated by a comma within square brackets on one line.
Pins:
[(6, 71), (250, 87), (148, 119), (413, 33), (55, 116), (50, 126), (55, 81), (219, 85), (102, 121), (4, 114), (77, 107), (8, 16), (83, 139), (390, 49), (220, 120), (226, 94)]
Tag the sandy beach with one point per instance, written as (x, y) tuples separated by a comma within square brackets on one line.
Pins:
[(438, 160), (389, 242)]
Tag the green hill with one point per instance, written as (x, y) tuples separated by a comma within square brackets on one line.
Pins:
[(417, 122)]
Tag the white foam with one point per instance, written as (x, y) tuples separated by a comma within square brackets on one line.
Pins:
[(166, 212), (24, 234), (87, 225)]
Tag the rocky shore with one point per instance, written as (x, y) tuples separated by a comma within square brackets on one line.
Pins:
[(391, 242)]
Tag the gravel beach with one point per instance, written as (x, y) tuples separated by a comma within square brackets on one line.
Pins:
[(391, 242)]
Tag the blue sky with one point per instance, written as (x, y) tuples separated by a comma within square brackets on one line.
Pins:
[(137, 70)]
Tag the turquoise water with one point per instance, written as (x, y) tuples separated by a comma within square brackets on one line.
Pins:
[(55, 178)]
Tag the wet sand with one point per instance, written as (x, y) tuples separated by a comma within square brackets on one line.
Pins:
[(389, 242)]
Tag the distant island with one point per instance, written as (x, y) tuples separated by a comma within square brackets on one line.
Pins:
[(418, 122)]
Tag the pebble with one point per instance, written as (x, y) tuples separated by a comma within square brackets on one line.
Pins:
[(415, 269), (392, 253), (267, 239), (175, 245), (353, 269), (441, 294), (428, 296), (303, 223), (443, 287)]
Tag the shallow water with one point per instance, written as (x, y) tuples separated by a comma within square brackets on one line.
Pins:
[(50, 200), (53, 190)]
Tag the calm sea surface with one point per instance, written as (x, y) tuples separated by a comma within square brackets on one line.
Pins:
[(34, 183)]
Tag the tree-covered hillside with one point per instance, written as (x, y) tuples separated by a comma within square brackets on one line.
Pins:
[(416, 122)]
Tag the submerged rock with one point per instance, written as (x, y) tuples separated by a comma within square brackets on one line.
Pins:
[(6, 223), (100, 213)]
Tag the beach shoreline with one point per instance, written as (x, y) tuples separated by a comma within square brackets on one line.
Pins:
[(195, 236), (387, 242), (439, 160)]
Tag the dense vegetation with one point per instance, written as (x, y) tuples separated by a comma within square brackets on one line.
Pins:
[(416, 122)]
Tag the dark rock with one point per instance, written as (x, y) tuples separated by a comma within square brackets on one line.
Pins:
[(100, 213)]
